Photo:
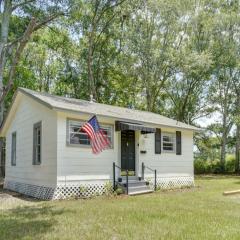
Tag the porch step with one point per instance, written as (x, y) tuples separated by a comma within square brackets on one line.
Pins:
[(135, 187), (138, 189), (132, 183), (140, 192)]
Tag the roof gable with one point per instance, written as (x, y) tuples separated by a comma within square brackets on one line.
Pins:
[(16, 101), (11, 113)]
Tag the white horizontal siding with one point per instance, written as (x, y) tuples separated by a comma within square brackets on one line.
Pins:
[(79, 163), (168, 163), (27, 114), (62, 163)]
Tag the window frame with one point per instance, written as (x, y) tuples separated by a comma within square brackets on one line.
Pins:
[(173, 136), (36, 126), (110, 126), (14, 161)]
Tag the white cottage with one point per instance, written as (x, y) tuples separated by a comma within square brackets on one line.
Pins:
[(48, 158)]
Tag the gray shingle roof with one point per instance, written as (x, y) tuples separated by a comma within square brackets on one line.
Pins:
[(77, 105)]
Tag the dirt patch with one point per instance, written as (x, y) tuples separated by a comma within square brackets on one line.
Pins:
[(10, 199)]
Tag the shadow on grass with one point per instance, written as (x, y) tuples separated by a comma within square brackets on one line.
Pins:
[(30, 222)]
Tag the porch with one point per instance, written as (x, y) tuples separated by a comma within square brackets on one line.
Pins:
[(134, 185)]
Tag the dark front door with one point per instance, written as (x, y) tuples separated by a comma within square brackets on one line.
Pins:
[(128, 151)]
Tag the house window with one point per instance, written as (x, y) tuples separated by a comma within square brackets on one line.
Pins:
[(77, 137), (168, 142), (37, 143), (13, 150)]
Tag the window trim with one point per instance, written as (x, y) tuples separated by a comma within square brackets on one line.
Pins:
[(34, 161), (111, 126), (12, 162), (173, 142)]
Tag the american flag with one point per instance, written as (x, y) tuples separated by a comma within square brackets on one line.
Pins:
[(98, 139)]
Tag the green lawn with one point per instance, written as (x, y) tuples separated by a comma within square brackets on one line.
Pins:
[(200, 213)]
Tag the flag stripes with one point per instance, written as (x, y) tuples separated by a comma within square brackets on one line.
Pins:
[(98, 139)]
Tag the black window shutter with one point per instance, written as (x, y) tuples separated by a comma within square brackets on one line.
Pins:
[(158, 139), (178, 143)]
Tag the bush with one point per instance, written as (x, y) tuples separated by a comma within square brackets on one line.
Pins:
[(199, 166), (119, 191), (230, 164), (214, 166)]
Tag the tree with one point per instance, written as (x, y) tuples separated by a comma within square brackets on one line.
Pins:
[(33, 15), (97, 17), (152, 37), (225, 54), (236, 88)]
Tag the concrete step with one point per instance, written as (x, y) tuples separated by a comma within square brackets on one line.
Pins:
[(140, 192), (140, 189), (133, 183), (135, 187)]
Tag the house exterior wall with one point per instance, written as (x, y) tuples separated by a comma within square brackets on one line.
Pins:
[(168, 163), (77, 166), (34, 180), (172, 170), (73, 170)]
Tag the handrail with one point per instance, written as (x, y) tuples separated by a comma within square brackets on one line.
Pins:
[(155, 174), (117, 166), (114, 176), (149, 168)]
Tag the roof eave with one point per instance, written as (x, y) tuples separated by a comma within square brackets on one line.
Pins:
[(59, 109), (48, 105)]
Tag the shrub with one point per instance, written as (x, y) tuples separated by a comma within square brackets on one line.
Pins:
[(214, 166), (230, 164), (119, 191), (108, 189), (199, 166)]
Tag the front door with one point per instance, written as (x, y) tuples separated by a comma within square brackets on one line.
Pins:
[(128, 152)]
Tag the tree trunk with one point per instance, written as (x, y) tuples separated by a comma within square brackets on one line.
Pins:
[(3, 41), (92, 86), (224, 142), (149, 100), (237, 152)]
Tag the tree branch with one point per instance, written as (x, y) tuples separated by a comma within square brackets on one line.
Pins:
[(21, 4), (16, 59), (47, 20)]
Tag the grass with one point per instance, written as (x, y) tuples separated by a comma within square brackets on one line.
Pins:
[(200, 213)]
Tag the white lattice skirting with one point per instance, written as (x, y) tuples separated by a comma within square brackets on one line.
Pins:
[(172, 182), (35, 191), (82, 190), (90, 189), (61, 191)]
